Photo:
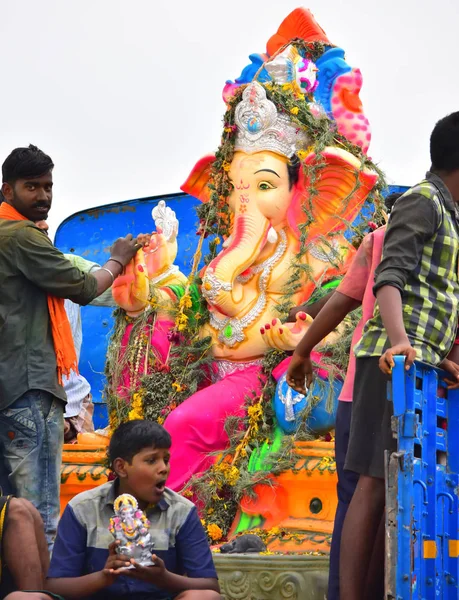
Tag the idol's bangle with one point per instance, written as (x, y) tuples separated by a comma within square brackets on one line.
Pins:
[(117, 261), (108, 271)]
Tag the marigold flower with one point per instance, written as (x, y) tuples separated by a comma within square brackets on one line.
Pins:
[(302, 154), (214, 532), (185, 301), (294, 110), (136, 411)]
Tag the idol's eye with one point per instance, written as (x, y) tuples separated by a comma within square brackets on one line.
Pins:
[(265, 185)]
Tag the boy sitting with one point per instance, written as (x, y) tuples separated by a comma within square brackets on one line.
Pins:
[(85, 563)]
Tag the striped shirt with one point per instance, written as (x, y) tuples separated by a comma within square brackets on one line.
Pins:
[(420, 258)]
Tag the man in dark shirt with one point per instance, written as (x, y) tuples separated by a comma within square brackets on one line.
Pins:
[(35, 348), (417, 292)]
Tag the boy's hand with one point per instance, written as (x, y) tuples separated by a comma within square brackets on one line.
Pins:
[(300, 373), (155, 574), (386, 362), (116, 563), (453, 369)]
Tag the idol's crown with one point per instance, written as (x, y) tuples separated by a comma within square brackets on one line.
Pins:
[(260, 127)]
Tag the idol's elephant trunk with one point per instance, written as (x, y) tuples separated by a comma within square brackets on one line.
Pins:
[(248, 238)]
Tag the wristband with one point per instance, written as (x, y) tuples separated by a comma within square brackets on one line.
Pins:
[(117, 261)]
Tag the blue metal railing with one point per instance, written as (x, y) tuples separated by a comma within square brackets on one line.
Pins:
[(422, 477)]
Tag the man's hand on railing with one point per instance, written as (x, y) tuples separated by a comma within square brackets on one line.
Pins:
[(386, 362), (452, 369)]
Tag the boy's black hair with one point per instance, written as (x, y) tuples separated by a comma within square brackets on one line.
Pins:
[(444, 144), (391, 199), (133, 436), (26, 163)]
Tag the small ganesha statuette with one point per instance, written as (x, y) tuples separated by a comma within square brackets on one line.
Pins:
[(130, 526)]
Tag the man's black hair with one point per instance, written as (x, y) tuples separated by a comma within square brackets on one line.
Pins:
[(444, 144), (26, 163), (391, 199), (133, 436)]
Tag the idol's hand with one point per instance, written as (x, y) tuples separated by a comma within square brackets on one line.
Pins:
[(286, 336), (131, 290)]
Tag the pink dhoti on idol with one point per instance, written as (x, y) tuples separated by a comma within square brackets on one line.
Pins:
[(289, 177), (197, 426)]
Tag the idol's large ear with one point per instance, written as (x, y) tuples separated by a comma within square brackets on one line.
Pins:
[(341, 187), (197, 181), (299, 24)]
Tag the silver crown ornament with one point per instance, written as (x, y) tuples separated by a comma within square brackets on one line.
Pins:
[(260, 127)]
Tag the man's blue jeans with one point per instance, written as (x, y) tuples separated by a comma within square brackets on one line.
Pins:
[(31, 438)]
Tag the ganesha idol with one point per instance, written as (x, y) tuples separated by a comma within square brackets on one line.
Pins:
[(293, 157)]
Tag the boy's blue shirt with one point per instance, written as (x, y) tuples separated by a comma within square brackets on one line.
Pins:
[(83, 538)]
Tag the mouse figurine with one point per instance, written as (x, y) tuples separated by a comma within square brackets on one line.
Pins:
[(243, 544), (130, 527)]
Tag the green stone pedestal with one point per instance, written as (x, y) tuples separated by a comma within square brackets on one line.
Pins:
[(272, 577)]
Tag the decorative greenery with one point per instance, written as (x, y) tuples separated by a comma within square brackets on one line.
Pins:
[(157, 387)]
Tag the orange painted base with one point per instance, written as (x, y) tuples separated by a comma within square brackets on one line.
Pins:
[(299, 507), (82, 469)]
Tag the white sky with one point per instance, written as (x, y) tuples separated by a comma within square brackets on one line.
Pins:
[(125, 95)]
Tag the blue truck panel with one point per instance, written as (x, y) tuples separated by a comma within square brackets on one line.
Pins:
[(422, 500)]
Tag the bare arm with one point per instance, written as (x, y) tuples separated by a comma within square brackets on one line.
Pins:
[(312, 309), (300, 370), (390, 307), (178, 583), (78, 587), (46, 267), (86, 585), (326, 321), (122, 251), (454, 354)]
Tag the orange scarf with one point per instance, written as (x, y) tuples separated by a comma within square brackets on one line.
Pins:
[(60, 327)]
